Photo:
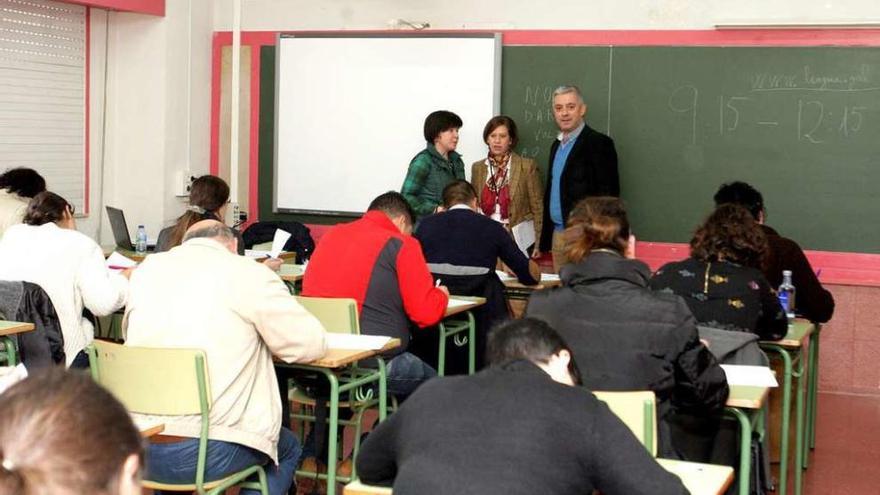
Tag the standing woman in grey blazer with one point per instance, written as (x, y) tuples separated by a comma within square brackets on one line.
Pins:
[(508, 185)]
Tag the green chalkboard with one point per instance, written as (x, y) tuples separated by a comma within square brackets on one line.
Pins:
[(802, 124)]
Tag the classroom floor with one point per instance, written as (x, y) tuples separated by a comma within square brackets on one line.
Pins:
[(847, 439)]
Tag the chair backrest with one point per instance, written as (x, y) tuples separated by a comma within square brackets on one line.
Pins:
[(338, 315), (637, 410), (151, 380)]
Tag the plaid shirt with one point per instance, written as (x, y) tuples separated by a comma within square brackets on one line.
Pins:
[(428, 174)]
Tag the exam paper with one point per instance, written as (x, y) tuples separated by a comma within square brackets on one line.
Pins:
[(752, 376), (357, 342), (119, 261), (278, 242), (256, 253), (524, 235)]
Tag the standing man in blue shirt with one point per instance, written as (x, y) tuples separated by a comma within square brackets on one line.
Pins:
[(583, 162)]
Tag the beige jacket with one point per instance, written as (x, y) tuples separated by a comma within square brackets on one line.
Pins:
[(526, 193), (12, 209), (199, 295)]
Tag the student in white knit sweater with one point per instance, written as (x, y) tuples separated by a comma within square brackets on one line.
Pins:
[(48, 251)]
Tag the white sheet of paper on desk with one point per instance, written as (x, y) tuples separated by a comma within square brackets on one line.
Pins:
[(549, 277), (281, 237), (524, 235), (10, 375), (454, 303), (256, 253), (504, 276), (117, 260), (751, 376), (358, 342)]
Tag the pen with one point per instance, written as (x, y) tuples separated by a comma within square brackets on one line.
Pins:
[(818, 273), (437, 283)]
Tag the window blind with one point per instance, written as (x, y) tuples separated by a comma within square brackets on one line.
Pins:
[(43, 93)]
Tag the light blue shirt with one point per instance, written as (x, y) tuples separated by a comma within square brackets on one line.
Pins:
[(566, 143)]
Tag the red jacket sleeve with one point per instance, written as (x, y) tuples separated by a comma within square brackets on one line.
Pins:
[(424, 304)]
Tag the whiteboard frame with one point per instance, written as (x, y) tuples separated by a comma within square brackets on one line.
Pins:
[(496, 97)]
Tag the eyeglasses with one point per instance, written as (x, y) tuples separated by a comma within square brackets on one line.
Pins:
[(71, 208)]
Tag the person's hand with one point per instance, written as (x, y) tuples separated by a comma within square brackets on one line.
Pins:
[(127, 272), (444, 289), (439, 209), (273, 263), (536, 253), (705, 343), (631, 248)]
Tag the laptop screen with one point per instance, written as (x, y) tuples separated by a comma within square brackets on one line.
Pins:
[(120, 229)]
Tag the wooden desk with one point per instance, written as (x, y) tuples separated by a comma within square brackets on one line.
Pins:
[(108, 250), (700, 479), (455, 328), (8, 328), (745, 405), (513, 289), (790, 350), (291, 273), (334, 365)]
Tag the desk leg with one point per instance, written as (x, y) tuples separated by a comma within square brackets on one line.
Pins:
[(745, 449), (472, 344), (9, 345), (332, 433), (813, 384), (800, 454), (441, 350), (786, 416), (383, 389)]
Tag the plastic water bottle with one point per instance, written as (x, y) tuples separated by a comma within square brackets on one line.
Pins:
[(786, 294), (140, 245)]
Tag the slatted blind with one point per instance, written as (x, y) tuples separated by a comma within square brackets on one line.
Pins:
[(43, 93)]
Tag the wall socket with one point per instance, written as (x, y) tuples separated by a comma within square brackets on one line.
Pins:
[(233, 213), (183, 183)]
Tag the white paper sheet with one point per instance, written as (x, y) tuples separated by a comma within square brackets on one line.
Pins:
[(549, 277), (10, 375), (351, 341), (504, 276), (118, 261), (256, 253), (752, 376), (278, 242), (454, 303), (524, 235)]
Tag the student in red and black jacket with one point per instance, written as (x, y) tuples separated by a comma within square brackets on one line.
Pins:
[(378, 263)]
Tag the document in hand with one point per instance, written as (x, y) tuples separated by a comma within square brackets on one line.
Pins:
[(751, 376)]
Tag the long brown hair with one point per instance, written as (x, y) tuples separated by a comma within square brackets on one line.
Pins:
[(207, 195), (596, 223), (61, 433), (730, 233)]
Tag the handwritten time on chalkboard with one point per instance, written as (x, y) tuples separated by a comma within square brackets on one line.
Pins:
[(801, 124)]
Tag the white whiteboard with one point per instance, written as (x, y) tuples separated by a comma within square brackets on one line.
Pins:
[(350, 111)]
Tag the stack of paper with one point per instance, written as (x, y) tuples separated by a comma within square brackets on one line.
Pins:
[(117, 261), (750, 376), (357, 342)]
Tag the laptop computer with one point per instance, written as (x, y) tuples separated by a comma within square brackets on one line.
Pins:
[(120, 230)]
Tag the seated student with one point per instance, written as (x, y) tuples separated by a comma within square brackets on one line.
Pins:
[(202, 295), (435, 166), (61, 433), (48, 251), (721, 282), (17, 187), (626, 336), (462, 248), (208, 199), (376, 262), (813, 301), (517, 427)]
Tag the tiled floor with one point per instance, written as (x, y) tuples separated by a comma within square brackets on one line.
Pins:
[(847, 441)]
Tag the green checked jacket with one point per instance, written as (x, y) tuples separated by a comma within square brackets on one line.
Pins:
[(428, 174)]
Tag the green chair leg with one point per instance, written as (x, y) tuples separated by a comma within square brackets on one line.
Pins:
[(786, 414), (9, 349), (745, 449)]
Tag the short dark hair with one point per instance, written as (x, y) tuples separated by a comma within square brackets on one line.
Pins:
[(44, 208), (25, 182), (458, 192), (60, 432), (743, 194), (393, 204), (528, 339), (439, 121), (730, 233), (498, 121)]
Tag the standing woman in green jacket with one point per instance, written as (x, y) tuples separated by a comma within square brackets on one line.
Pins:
[(435, 166)]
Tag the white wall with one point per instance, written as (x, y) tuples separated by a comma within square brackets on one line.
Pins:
[(531, 14), (157, 109)]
